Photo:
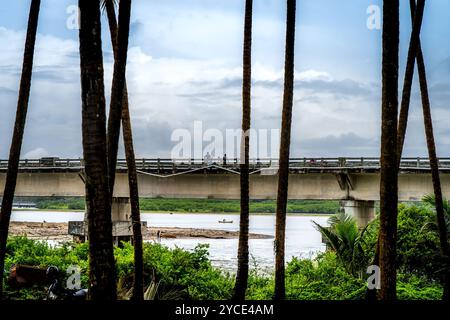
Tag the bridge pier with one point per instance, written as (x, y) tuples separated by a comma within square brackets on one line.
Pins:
[(363, 211), (120, 209), (121, 219)]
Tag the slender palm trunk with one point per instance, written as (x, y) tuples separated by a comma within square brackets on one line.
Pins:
[(118, 85), (406, 98), (19, 127), (416, 19), (389, 169), (138, 287), (283, 175), (242, 271), (434, 162), (102, 273)]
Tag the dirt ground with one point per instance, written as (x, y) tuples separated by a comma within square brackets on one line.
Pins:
[(58, 232)]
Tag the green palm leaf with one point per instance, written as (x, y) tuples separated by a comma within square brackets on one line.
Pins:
[(344, 237)]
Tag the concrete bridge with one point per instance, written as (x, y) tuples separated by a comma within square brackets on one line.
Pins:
[(355, 180)]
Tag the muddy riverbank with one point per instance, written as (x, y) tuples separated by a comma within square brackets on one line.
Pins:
[(58, 232)]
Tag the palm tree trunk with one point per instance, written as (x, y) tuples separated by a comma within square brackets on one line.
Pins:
[(118, 85), (404, 109), (416, 19), (138, 287), (283, 175), (242, 271), (102, 273), (389, 169), (19, 127), (434, 162)]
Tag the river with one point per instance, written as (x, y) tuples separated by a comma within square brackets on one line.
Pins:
[(302, 239)]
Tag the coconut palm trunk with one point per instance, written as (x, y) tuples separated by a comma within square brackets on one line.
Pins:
[(138, 287), (434, 162), (243, 254), (102, 273), (389, 169), (406, 98), (118, 85), (283, 174), (19, 128), (416, 19)]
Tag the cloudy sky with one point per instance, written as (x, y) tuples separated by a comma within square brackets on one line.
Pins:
[(185, 65)]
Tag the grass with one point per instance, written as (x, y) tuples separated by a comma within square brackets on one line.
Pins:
[(198, 205)]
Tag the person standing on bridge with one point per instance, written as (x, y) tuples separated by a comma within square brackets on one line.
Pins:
[(208, 159)]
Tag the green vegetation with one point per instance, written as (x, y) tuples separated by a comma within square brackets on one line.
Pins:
[(418, 249), (200, 205), (60, 204), (338, 274), (189, 274), (181, 274), (347, 241)]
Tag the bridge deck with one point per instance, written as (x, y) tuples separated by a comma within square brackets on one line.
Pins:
[(319, 179), (171, 166)]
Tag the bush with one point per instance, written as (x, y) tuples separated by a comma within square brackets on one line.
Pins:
[(183, 274), (189, 274), (418, 251)]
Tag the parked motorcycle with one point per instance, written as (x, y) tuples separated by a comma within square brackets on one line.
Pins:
[(56, 291)]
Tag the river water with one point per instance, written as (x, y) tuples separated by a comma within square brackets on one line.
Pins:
[(302, 239)]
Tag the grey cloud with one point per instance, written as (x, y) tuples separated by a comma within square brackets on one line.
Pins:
[(7, 91), (349, 144), (151, 139), (439, 95), (10, 70), (53, 74), (339, 88)]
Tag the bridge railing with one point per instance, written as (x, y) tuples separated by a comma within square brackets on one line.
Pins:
[(166, 164)]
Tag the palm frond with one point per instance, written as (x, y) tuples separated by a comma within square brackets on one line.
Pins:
[(151, 291), (430, 200), (345, 238), (104, 2), (431, 224), (331, 237)]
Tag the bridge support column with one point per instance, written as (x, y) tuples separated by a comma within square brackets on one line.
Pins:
[(362, 211), (121, 219), (120, 209)]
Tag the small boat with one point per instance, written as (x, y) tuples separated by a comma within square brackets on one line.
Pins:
[(225, 221)]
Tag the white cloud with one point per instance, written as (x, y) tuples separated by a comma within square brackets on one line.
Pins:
[(313, 75), (170, 92), (36, 154)]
